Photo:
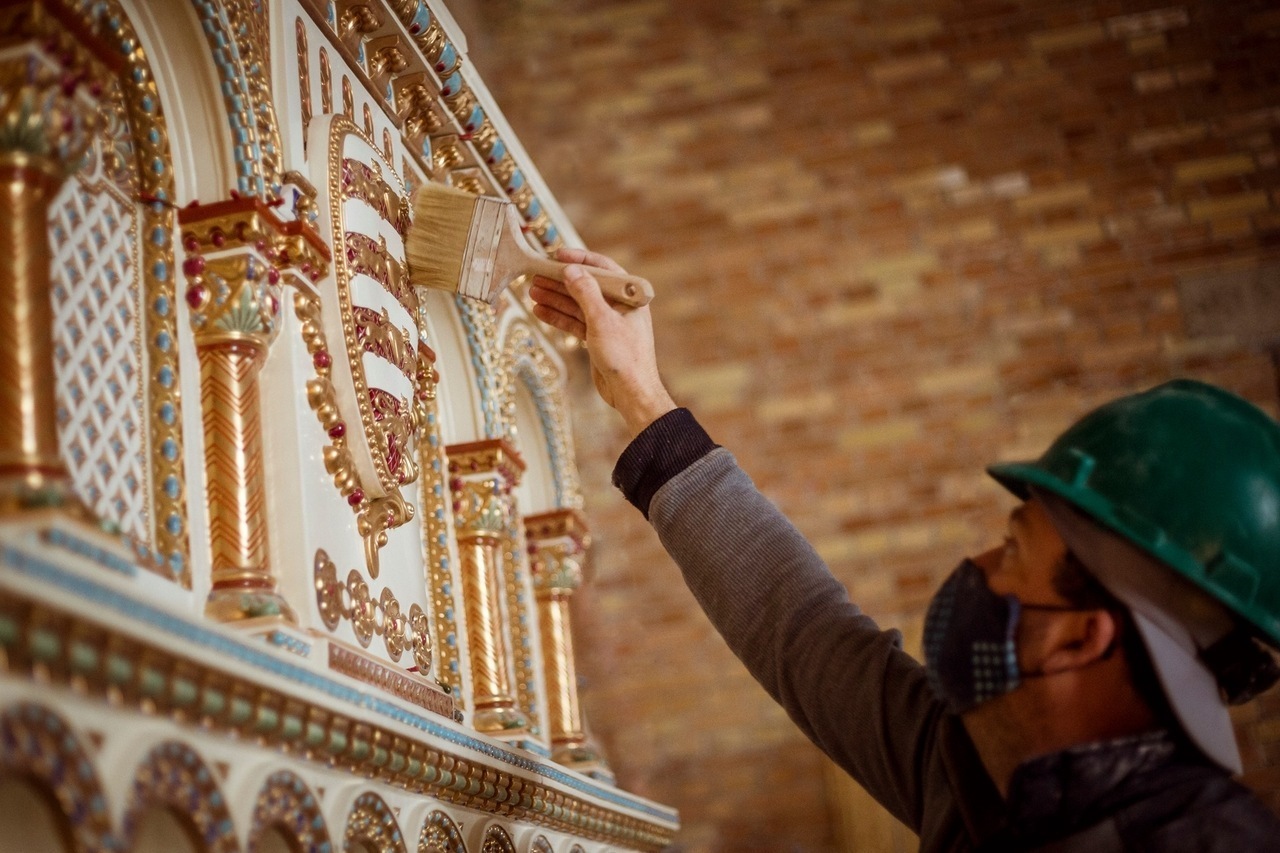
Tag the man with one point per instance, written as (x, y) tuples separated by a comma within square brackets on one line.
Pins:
[(1076, 678)]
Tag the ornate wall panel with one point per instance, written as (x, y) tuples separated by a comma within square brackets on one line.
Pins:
[(372, 310), (112, 230), (497, 840), (98, 344)]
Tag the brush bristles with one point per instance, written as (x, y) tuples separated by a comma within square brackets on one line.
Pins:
[(436, 245)]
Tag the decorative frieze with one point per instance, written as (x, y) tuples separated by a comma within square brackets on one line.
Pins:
[(253, 700)]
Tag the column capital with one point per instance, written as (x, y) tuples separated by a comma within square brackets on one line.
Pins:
[(486, 458), (237, 251)]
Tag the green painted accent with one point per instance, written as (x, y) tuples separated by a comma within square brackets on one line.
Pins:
[(119, 669), (291, 726), (360, 749), (214, 701), (44, 644), (416, 767), (315, 734), (337, 742), (83, 656), (241, 711), (380, 757), (474, 787), (397, 762), (244, 317), (8, 631), (150, 681), (443, 778), (267, 719), (183, 692)]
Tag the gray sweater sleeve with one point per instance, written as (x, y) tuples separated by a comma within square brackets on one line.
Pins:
[(847, 684)]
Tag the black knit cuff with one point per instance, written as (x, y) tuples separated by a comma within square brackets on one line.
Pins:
[(665, 448)]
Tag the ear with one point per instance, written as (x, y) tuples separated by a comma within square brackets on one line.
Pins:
[(1079, 638)]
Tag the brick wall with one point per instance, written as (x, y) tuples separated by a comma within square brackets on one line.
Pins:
[(891, 242)]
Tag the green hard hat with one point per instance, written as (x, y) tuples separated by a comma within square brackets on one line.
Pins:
[(1186, 471)]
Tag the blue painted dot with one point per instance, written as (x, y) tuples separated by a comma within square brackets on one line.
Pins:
[(157, 166), (171, 487), (148, 104), (159, 236), (163, 341), (167, 413), (161, 306), (169, 449), (165, 376), (173, 524), (176, 562), (160, 271)]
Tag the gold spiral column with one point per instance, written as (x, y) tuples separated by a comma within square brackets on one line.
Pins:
[(558, 541), (482, 477), (236, 252), (47, 123)]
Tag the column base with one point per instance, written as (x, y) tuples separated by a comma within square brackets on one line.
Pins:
[(501, 722), (248, 608), (39, 491), (581, 755)]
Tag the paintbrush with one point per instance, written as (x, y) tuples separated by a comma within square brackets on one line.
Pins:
[(473, 245)]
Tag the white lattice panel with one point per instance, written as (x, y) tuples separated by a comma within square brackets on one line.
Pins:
[(97, 354)]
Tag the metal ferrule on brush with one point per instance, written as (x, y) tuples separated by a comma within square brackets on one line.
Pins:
[(487, 221)]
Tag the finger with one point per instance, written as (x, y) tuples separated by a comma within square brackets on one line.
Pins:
[(556, 300), (585, 290), (561, 321), (553, 284), (584, 256)]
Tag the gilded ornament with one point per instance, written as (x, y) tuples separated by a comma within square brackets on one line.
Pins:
[(175, 777), (286, 803), (304, 78), (326, 83), (371, 825)]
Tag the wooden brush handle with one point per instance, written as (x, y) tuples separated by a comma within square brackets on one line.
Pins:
[(617, 287)]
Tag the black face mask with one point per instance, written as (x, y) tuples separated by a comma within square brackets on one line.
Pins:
[(970, 640)]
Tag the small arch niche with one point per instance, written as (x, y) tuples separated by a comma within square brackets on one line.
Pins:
[(30, 819), (161, 830)]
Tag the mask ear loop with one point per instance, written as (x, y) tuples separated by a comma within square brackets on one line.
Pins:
[(1066, 608)]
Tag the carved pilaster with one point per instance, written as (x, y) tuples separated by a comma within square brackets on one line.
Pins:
[(47, 122), (235, 253), (558, 542), (482, 477)]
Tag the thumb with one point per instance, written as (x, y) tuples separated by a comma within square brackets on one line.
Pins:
[(585, 290)]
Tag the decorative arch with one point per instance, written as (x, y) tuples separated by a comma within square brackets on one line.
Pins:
[(285, 802), (372, 822), (481, 324), (36, 743), (240, 42), (440, 835), (497, 840), (525, 360), (175, 777), (541, 845), (134, 156)]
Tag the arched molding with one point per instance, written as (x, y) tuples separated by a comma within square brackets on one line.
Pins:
[(459, 388), (541, 845), (174, 776), (497, 840), (148, 147), (371, 822), (526, 360), (440, 835), (37, 744), (286, 803), (243, 69)]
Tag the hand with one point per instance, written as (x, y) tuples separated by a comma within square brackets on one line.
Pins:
[(619, 339)]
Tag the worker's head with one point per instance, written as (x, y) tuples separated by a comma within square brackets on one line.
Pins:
[(1155, 518)]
